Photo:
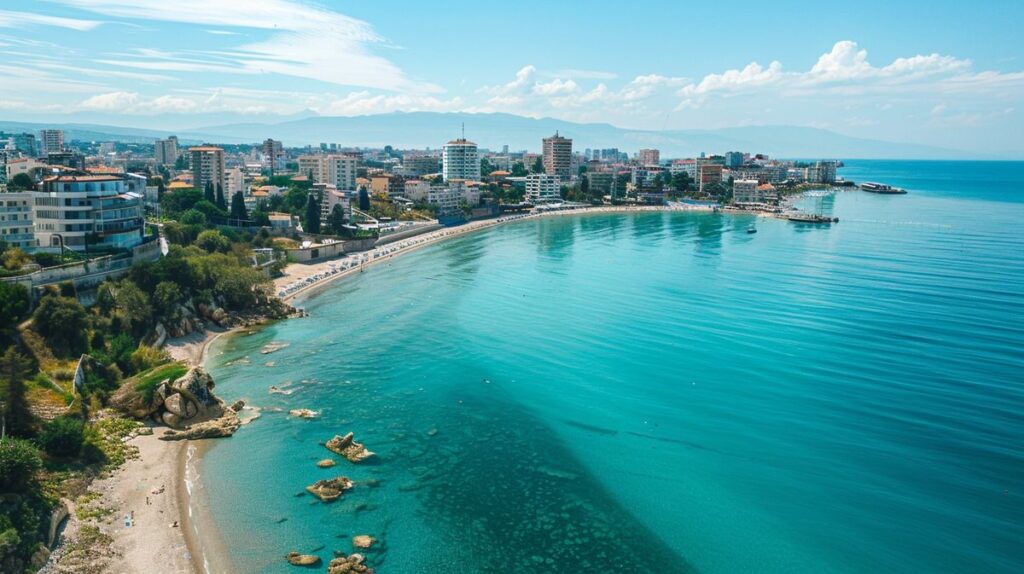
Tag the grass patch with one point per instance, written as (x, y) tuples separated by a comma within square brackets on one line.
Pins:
[(147, 382)]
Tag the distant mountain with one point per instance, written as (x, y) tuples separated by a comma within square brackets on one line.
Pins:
[(492, 131), (432, 129)]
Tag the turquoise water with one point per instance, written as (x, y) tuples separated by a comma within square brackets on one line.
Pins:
[(659, 393)]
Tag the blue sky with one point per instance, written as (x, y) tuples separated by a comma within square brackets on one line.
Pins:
[(943, 73)]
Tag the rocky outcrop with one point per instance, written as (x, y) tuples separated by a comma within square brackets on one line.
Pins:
[(330, 489), (363, 541), (186, 404), (351, 564), (296, 559), (326, 463), (347, 447)]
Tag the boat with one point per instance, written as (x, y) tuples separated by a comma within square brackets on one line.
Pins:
[(811, 218), (751, 229), (882, 188)]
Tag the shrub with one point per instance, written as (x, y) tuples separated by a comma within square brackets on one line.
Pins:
[(62, 437), (19, 461), (14, 304), (145, 358), (62, 321)]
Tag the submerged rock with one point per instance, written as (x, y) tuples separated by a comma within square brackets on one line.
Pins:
[(330, 489), (347, 447), (296, 559), (351, 564), (362, 541), (304, 413), (272, 347), (326, 463)]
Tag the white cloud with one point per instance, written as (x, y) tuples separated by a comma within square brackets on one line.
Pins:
[(113, 101), (555, 87), (12, 19), (303, 40)]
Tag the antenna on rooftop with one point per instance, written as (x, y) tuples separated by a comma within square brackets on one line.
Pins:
[(463, 130)]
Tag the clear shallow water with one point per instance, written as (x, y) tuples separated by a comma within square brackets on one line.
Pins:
[(658, 393)]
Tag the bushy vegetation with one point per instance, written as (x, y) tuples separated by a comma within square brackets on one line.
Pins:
[(19, 462), (63, 437)]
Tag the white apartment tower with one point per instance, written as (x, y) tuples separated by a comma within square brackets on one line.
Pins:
[(542, 188), (207, 166), (460, 160)]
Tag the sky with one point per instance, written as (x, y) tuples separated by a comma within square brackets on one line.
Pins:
[(935, 72)]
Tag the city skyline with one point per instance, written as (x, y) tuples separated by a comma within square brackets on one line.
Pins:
[(879, 72)]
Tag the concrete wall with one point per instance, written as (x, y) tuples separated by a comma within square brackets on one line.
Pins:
[(330, 251), (392, 237)]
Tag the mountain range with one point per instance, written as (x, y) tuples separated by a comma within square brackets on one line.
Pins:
[(493, 130)]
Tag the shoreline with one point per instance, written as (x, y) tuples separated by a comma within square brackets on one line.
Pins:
[(300, 272)]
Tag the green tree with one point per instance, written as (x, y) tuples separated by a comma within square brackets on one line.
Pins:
[(14, 304), (336, 220), (538, 165), (364, 199), (295, 199), (63, 436), (208, 192), (165, 296), (519, 169), (584, 188), (681, 181), (485, 167), (238, 206), (19, 462), (21, 182), (221, 200), (179, 201), (17, 416), (15, 258), (193, 217), (311, 223), (212, 240), (62, 321)]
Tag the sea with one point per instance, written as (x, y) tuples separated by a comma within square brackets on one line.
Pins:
[(656, 393)]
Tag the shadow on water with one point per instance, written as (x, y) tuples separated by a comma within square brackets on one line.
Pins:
[(512, 498), (648, 227)]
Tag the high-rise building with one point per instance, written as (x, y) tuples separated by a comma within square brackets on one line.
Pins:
[(53, 141), (650, 157), (207, 166), (541, 187), (558, 157), (338, 170), (87, 212), (166, 151), (733, 159), (460, 160)]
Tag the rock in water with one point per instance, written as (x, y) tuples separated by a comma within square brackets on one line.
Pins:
[(223, 426), (326, 463), (330, 489), (351, 564), (296, 559), (304, 413), (347, 447), (362, 541)]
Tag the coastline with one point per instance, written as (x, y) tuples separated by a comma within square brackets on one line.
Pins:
[(299, 272), (159, 488)]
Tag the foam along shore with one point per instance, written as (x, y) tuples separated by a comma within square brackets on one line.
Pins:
[(302, 278)]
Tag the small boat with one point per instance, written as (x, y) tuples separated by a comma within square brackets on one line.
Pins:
[(882, 188), (751, 229)]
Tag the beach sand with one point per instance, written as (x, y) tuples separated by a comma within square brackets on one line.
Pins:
[(151, 543)]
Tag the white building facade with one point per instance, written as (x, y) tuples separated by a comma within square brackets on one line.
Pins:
[(460, 160)]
